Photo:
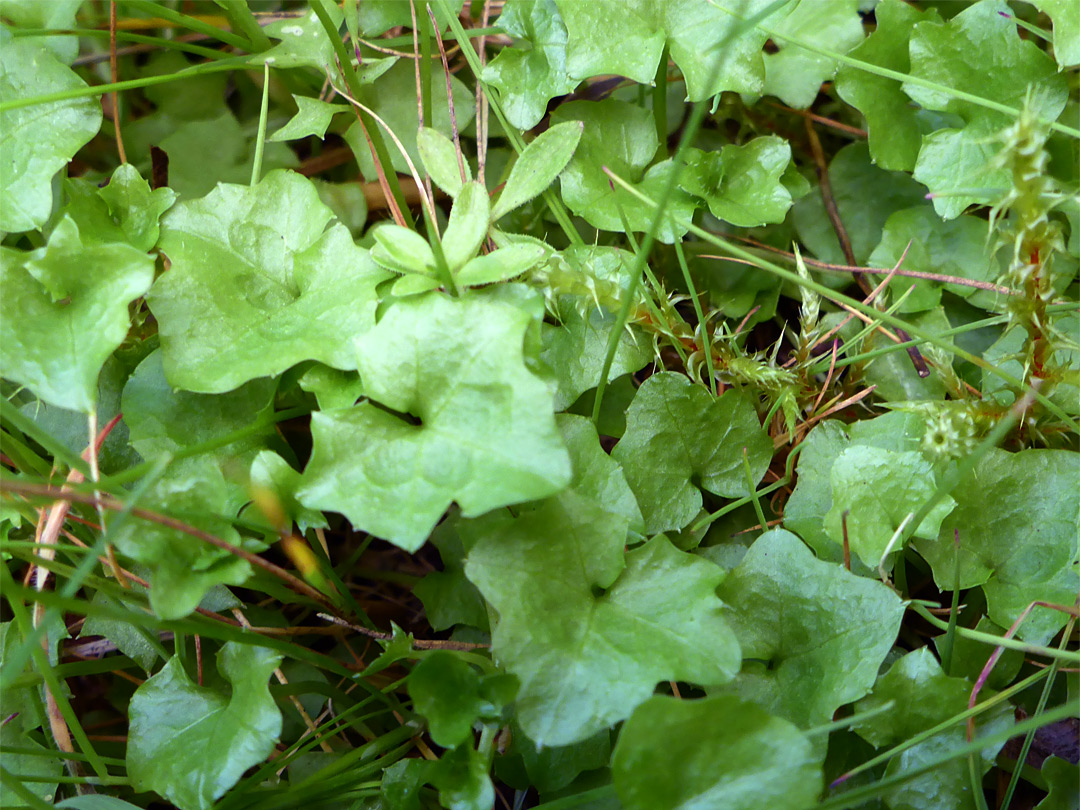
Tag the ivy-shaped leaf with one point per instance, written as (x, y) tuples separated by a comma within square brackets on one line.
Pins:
[(742, 184), (312, 118), (925, 696), (812, 634), (877, 490), (528, 78), (892, 126), (679, 437), (190, 743), (64, 290), (452, 695), (1018, 515), (39, 140), (1066, 30), (719, 752), (259, 283), (184, 568), (794, 74), (125, 210), (449, 598), (978, 51), (865, 196), (56, 14), (621, 137), (590, 643), (626, 38), (575, 350), (486, 435)]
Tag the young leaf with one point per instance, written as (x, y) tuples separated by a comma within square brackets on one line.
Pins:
[(258, 283), (813, 635), (499, 265), (446, 691), (59, 291), (486, 436), (1017, 515), (678, 437), (538, 166), (587, 638), (720, 752), (620, 137), (448, 597), (742, 184), (440, 159), (528, 78), (467, 226), (312, 118), (190, 743), (37, 141), (892, 126), (402, 250)]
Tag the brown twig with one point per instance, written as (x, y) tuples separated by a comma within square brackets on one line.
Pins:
[(113, 76), (482, 102), (420, 644), (842, 235), (449, 93), (821, 119)]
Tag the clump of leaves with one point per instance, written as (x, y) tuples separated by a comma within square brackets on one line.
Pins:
[(540, 403)]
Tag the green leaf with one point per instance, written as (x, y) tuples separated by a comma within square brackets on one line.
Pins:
[(303, 42), (527, 78), (393, 98), (538, 166), (812, 634), (794, 74), (550, 768), (969, 657), (865, 197), (440, 159), (679, 437), (1066, 30), (486, 436), (1061, 776), (877, 490), (626, 38), (576, 348), (273, 475), (468, 225), (183, 568), (43, 766), (402, 250), (204, 154), (379, 16), (588, 631), (1017, 514), (924, 696), (622, 138), (742, 184), (37, 141), (892, 126), (57, 14), (448, 597), (190, 743), (63, 291), (719, 753), (312, 118), (124, 635), (499, 265), (450, 695), (461, 777), (95, 802), (978, 51), (332, 388), (130, 200), (259, 283), (955, 248), (163, 420)]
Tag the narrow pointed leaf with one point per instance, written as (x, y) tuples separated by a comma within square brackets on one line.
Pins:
[(538, 166)]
